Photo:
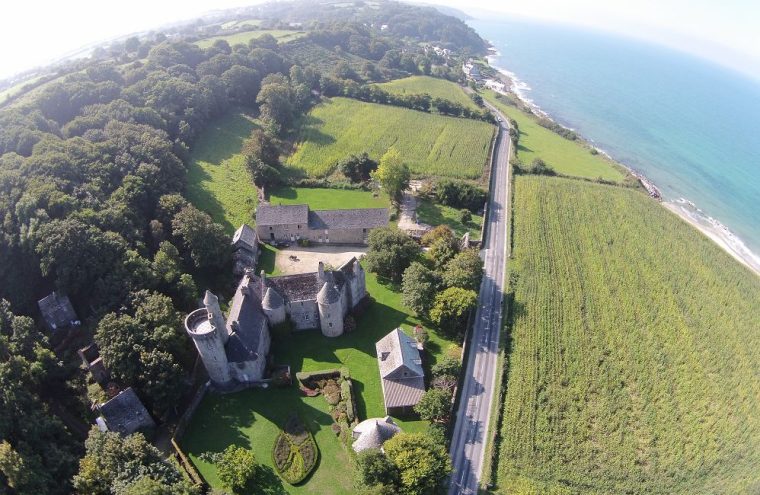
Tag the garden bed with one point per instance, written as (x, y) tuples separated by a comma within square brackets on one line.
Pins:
[(295, 452)]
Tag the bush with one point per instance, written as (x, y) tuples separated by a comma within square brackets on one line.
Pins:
[(465, 216), (349, 324), (331, 391), (459, 194)]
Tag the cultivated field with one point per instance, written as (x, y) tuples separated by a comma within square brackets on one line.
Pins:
[(251, 418), (432, 145), (217, 179), (244, 37), (327, 199), (564, 156), (435, 87), (635, 350)]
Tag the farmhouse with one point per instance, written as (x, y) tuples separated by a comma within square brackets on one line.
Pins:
[(401, 374), (124, 414), (294, 222)]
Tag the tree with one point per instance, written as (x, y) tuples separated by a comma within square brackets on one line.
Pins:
[(448, 366), (465, 270), (237, 469), (422, 463), (390, 252), (374, 468), (166, 262), (451, 309), (358, 168), (443, 250), (112, 463), (206, 241), (434, 405), (392, 174), (418, 287)]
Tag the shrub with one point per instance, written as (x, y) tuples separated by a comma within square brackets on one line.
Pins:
[(459, 194), (349, 324), (294, 453), (331, 391), (465, 216)]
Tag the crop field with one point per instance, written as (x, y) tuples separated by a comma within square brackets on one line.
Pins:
[(244, 37), (435, 87), (635, 350), (217, 179), (253, 418), (432, 145), (327, 199), (564, 156)]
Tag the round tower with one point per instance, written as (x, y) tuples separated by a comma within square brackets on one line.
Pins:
[(206, 327), (330, 311), (274, 306)]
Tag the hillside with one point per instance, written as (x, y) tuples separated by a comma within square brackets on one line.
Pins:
[(633, 358), (430, 144), (564, 156), (435, 87)]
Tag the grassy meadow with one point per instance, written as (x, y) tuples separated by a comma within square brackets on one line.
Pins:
[(634, 353), (328, 199), (432, 145), (244, 37), (436, 214), (252, 418), (217, 179), (564, 156), (435, 87)]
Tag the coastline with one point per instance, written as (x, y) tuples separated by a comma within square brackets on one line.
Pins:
[(683, 208)]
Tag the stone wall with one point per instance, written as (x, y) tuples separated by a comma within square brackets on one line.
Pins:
[(304, 314)]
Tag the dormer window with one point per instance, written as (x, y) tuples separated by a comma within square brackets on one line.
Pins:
[(384, 355)]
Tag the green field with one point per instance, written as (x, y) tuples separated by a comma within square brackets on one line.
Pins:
[(435, 214), (244, 37), (635, 350), (432, 145), (217, 180), (435, 87), (564, 156), (252, 418), (327, 199), (244, 22)]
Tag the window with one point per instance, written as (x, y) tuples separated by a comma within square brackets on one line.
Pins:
[(330, 325), (364, 231), (270, 227), (299, 227)]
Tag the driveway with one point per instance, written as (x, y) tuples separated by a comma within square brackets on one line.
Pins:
[(307, 259)]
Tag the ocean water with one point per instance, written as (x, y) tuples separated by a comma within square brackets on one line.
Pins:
[(690, 126)]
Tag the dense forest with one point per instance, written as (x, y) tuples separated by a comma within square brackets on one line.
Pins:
[(92, 176)]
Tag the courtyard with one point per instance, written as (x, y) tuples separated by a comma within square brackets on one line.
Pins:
[(294, 259)]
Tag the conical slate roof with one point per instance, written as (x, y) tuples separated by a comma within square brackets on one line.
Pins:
[(272, 299), (372, 433), (210, 298), (328, 294)]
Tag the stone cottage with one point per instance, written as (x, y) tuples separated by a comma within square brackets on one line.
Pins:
[(290, 223), (401, 373), (245, 249), (125, 414)]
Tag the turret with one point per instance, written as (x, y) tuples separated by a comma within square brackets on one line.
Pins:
[(274, 306), (330, 310), (207, 329)]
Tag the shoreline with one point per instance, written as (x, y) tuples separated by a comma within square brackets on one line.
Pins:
[(683, 208)]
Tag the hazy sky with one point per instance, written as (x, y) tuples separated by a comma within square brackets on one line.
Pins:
[(33, 32)]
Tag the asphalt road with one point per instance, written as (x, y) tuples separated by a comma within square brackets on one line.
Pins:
[(469, 437)]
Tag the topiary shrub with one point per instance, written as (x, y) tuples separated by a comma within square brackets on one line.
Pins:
[(331, 391)]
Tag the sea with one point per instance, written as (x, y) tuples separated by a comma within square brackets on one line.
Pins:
[(690, 126)]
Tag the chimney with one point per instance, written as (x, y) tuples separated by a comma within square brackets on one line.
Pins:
[(263, 277), (321, 271)]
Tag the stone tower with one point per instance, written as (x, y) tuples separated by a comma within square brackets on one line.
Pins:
[(207, 329), (357, 283), (330, 310)]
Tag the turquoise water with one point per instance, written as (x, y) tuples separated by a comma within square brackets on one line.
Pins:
[(690, 126)]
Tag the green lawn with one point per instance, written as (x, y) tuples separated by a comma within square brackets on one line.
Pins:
[(252, 418), (634, 350), (328, 199), (217, 180), (432, 145), (435, 87), (564, 156), (434, 214), (244, 37)]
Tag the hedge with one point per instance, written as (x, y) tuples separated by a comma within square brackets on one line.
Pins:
[(294, 453)]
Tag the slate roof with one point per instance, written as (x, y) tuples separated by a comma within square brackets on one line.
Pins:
[(245, 323), (328, 294), (272, 299), (361, 218), (57, 311), (403, 380), (246, 237), (373, 433), (282, 214), (125, 413)]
